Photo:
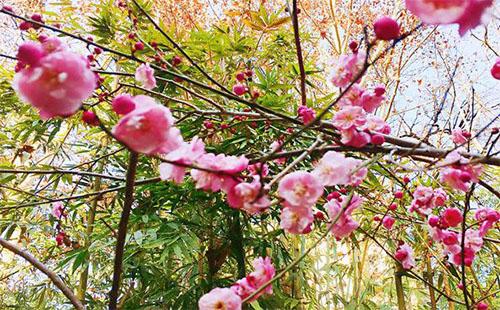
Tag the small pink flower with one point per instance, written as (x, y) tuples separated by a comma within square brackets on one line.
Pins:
[(306, 113), (386, 28), (239, 89), (58, 209), (186, 154), (457, 136), (56, 84), (488, 217), (220, 298), (148, 128), (458, 172), (275, 145), (376, 124), (346, 69), (371, 101), (263, 272), (300, 189), (451, 217), (353, 97), (333, 169), (30, 53), (296, 220), (482, 306), (406, 256), (439, 197), (349, 117), (422, 200), (353, 137), (345, 224), (449, 237), (246, 196), (215, 181), (146, 76), (388, 221)]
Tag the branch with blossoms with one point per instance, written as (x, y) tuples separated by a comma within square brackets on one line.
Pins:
[(56, 81)]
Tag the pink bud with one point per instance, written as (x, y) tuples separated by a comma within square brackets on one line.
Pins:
[(224, 126), (139, 46), (465, 176), (176, 61), (482, 306), (90, 118), (24, 26), (7, 8), (377, 139), (319, 216), (38, 18), (393, 206), (42, 38), (461, 285), (376, 218), (255, 95), (131, 35), (450, 238), (386, 28), (240, 76), (123, 104), (30, 53), (248, 73), (433, 221), (90, 39), (354, 46), (495, 70), (495, 130), (154, 44), (208, 125), (239, 89), (97, 50), (398, 194), (388, 221), (406, 180), (379, 91)]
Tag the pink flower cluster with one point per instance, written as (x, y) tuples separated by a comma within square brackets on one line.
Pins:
[(458, 172), (345, 224), (468, 14), (58, 210), (438, 229), (459, 136), (406, 256), (425, 199), (336, 169), (346, 68), (231, 298), (306, 113), (52, 79)]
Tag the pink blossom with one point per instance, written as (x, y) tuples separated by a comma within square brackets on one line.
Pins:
[(406, 256), (255, 168), (458, 172), (482, 306), (30, 53), (422, 200), (371, 101), (186, 154), (353, 97), (275, 145), (146, 76), (388, 221), (148, 128), (226, 165), (246, 196), (346, 69), (306, 113), (56, 83), (469, 256), (333, 169), (457, 136), (451, 217), (263, 272), (356, 177), (353, 137), (53, 44), (345, 224), (220, 298), (58, 209), (295, 220), (300, 189), (488, 217), (466, 13), (439, 197), (349, 117), (376, 124), (239, 89)]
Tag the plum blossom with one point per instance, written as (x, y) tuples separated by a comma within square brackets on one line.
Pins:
[(458, 173), (263, 272), (246, 197), (388, 221), (488, 217), (58, 209), (425, 199), (346, 69), (306, 113), (349, 117), (345, 224), (296, 220), (255, 168), (55, 81), (406, 256), (275, 145), (226, 165), (146, 76), (468, 14), (148, 128), (332, 169), (457, 136), (353, 137), (186, 154), (451, 217), (220, 298), (300, 189)]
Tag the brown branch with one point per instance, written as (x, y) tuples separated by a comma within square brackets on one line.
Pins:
[(295, 22), (51, 274), (57, 171), (122, 230)]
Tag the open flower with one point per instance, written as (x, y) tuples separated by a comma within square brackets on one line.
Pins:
[(186, 154), (300, 189), (246, 196), (146, 76), (345, 224), (296, 220), (220, 298), (226, 165)]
